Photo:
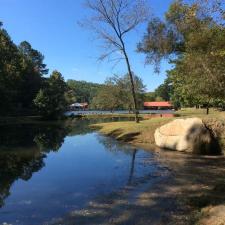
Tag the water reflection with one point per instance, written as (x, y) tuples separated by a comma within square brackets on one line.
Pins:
[(48, 169), (132, 167), (114, 146), (14, 166), (23, 148)]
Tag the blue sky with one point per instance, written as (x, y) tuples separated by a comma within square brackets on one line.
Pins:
[(51, 27)]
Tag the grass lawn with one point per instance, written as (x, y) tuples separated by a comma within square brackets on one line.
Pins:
[(135, 133), (192, 112), (142, 134)]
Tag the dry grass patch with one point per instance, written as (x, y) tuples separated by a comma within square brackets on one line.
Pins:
[(131, 132)]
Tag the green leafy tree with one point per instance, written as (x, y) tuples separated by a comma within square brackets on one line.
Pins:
[(116, 93), (50, 100), (34, 57), (21, 70), (194, 34), (10, 73), (33, 69), (125, 96), (149, 96), (108, 98), (165, 90), (70, 97), (83, 91)]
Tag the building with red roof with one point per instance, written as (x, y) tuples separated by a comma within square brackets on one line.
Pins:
[(158, 105)]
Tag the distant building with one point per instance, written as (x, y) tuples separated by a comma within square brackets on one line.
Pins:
[(157, 105), (79, 106)]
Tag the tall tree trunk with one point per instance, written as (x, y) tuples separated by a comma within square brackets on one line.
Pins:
[(207, 108), (132, 83)]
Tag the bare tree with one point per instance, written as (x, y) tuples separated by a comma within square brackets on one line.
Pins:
[(112, 20)]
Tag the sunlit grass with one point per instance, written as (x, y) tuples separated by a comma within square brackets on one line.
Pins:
[(137, 133), (192, 112), (143, 133)]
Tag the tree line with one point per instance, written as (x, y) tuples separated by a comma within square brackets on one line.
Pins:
[(24, 89)]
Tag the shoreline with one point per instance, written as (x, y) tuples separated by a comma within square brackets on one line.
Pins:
[(198, 180)]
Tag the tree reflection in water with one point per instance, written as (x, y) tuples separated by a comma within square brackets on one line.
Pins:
[(132, 166), (23, 149), (114, 146), (14, 166)]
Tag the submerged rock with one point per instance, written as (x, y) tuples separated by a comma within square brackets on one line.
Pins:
[(189, 135)]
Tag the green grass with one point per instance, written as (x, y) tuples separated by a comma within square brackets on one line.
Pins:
[(136, 133), (142, 134), (192, 112)]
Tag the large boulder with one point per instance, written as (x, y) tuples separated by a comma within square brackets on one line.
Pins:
[(189, 135)]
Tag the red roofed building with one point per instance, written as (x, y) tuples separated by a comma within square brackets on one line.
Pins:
[(157, 105)]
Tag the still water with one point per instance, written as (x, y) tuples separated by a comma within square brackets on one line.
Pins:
[(48, 170), (101, 112)]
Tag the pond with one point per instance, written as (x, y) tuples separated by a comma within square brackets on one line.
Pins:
[(50, 169)]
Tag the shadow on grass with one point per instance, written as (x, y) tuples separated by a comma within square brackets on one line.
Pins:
[(127, 137)]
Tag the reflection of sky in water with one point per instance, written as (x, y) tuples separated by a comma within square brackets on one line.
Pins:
[(83, 168)]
